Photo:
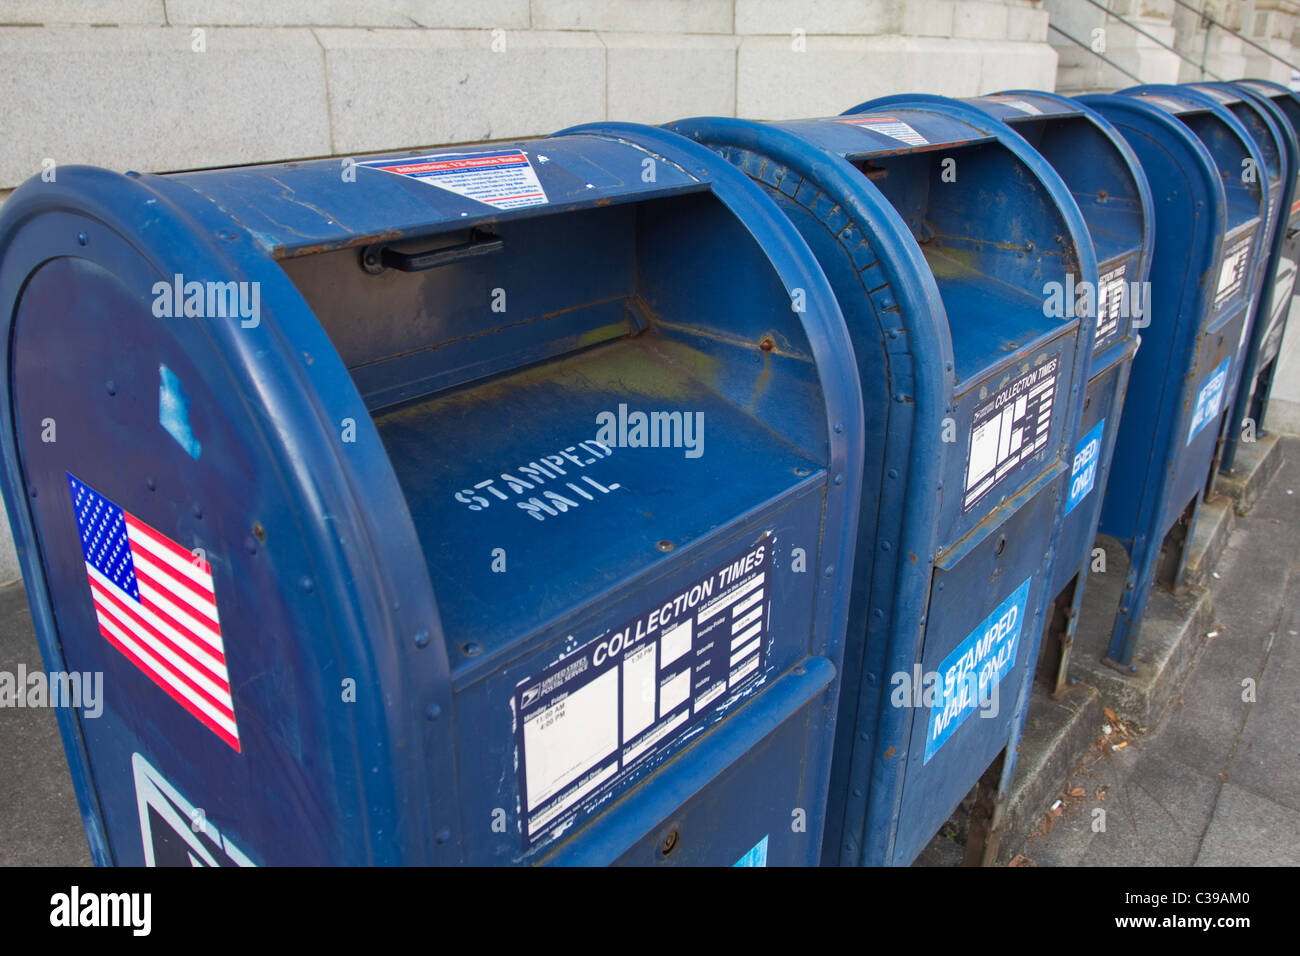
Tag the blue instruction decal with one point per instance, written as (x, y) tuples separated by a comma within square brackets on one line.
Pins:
[(174, 411), (1084, 473), (755, 857), (970, 674), (1209, 400)]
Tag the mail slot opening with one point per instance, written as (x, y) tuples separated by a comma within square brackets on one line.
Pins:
[(563, 395), (1255, 125), (1230, 155), (994, 244), (1088, 162)]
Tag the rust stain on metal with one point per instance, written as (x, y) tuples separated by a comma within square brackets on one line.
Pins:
[(294, 252)]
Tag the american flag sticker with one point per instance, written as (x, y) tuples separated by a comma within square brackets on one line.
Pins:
[(155, 603)]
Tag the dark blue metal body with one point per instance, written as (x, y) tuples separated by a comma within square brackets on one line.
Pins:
[(1202, 282), (1274, 306), (1276, 142), (396, 483), (942, 289), (1107, 182)]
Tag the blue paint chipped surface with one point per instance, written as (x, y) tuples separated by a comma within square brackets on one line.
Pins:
[(174, 411)]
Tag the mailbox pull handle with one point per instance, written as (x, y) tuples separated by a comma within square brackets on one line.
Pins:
[(375, 259)]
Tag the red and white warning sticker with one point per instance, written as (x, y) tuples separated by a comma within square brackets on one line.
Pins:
[(890, 126), (504, 179), (1024, 106)]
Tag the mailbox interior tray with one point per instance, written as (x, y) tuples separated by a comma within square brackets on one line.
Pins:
[(619, 509), (989, 320), (1113, 245)]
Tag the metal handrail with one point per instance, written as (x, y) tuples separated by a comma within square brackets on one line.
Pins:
[(1151, 36), (1245, 39), (1106, 59)]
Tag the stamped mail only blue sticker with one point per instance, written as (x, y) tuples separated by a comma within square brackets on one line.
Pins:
[(1209, 400), (975, 667), (1084, 474)]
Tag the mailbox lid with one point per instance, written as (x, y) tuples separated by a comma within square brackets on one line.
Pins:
[(515, 463), (1107, 181), (992, 252), (1246, 260), (1285, 100), (301, 208), (1228, 143), (1260, 123)]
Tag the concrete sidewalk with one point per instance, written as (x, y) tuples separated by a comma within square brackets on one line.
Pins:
[(39, 821), (1216, 780)]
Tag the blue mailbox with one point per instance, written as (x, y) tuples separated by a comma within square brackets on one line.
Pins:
[(490, 504), (938, 228), (1276, 141), (1210, 216), (1260, 364), (1107, 182)]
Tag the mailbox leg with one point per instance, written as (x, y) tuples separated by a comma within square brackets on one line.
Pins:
[(986, 816), (1131, 605), (1066, 637), (1173, 550), (1259, 400), (1054, 659), (1149, 566), (985, 832), (1225, 423)]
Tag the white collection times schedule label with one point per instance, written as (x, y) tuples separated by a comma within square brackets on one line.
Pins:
[(592, 720), (1009, 428)]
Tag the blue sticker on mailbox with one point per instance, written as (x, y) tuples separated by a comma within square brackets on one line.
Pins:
[(1084, 473), (971, 673), (1209, 400), (756, 856)]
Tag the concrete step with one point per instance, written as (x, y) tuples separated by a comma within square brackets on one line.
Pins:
[(1063, 736), (1058, 734), (1215, 520), (1255, 465), (1169, 637)]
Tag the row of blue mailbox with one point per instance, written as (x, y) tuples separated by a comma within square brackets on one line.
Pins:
[(698, 494)]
